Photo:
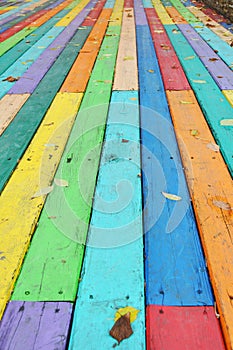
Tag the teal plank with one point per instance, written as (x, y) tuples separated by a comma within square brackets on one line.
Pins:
[(112, 277), (109, 4), (147, 4), (213, 103), (27, 59)]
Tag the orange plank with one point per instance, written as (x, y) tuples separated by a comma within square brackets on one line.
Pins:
[(175, 15), (211, 190), (79, 74)]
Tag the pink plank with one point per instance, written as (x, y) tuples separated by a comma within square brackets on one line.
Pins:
[(220, 72), (186, 328), (128, 3), (35, 325), (94, 14)]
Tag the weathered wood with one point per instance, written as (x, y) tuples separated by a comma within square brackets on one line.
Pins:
[(29, 325), (209, 184), (126, 75), (162, 13), (139, 13), (116, 18), (175, 15), (178, 328)]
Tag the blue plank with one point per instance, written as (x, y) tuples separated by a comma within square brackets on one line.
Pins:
[(113, 277), (109, 4), (175, 268)]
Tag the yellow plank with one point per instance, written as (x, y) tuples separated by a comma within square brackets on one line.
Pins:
[(19, 212), (126, 74), (72, 14), (211, 190), (222, 32), (162, 13), (9, 107), (116, 18), (229, 95)]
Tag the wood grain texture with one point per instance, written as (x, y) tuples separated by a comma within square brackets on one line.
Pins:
[(126, 75), (229, 95), (206, 91), (35, 326), (209, 181), (162, 13), (174, 265), (9, 107), (116, 18), (80, 72), (187, 328), (175, 15), (113, 277), (171, 69), (59, 242)]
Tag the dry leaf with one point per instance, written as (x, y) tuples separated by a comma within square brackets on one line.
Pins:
[(222, 205), (128, 309), (124, 141), (158, 31), (226, 122), (189, 58), (122, 328), (194, 132), (175, 31), (212, 59), (165, 47), (199, 81), (61, 182), (133, 98), (186, 102), (150, 71), (11, 79), (213, 147), (128, 58), (172, 197), (43, 191)]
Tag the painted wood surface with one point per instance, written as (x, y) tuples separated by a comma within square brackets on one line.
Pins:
[(112, 275), (61, 250), (94, 14), (139, 13), (34, 326), (229, 95), (116, 18), (187, 328), (208, 184), (206, 91), (126, 75), (13, 40), (221, 73), (172, 72), (64, 22), (185, 13), (175, 15), (162, 13), (80, 72)]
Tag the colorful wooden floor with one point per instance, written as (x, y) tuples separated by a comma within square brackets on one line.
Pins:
[(116, 163)]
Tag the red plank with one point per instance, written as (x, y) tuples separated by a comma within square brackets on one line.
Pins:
[(214, 15), (186, 328), (16, 28), (94, 14), (128, 4), (171, 69)]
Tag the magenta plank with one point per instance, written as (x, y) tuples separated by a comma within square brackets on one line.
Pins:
[(29, 81), (140, 17), (220, 72), (35, 325)]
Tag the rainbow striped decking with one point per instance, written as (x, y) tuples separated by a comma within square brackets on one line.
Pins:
[(116, 162)]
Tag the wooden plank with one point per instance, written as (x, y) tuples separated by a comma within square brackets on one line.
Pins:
[(13, 40), (206, 91), (162, 13), (80, 72), (9, 107), (35, 326), (174, 264), (166, 3), (175, 15), (220, 72), (171, 69), (128, 4), (208, 184), (64, 22), (37, 106), (139, 13), (113, 277), (185, 13), (62, 247), (223, 33), (116, 18), (229, 95), (183, 328), (147, 4), (126, 75), (94, 14)]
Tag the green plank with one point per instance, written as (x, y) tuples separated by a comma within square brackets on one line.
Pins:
[(14, 39), (58, 244), (188, 16), (213, 103)]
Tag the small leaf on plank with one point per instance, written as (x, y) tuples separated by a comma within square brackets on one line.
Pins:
[(122, 328), (222, 205), (128, 58), (199, 81), (123, 311), (11, 79), (189, 58), (194, 132), (172, 197), (226, 122), (213, 146), (61, 182), (186, 102), (42, 192)]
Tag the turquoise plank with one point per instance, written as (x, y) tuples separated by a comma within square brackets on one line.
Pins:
[(175, 268), (27, 59), (213, 103), (18, 9), (109, 4), (166, 3), (223, 49), (147, 4), (112, 275)]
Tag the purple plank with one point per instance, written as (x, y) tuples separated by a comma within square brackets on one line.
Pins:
[(220, 72), (55, 4), (35, 325), (31, 78), (140, 17)]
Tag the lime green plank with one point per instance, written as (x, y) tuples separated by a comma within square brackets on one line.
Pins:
[(13, 40), (188, 16), (58, 244)]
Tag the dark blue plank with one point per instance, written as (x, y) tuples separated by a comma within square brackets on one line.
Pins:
[(174, 265)]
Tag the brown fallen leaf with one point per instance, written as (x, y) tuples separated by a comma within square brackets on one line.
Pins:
[(11, 79), (165, 47), (122, 328), (194, 132), (212, 59), (222, 205), (124, 141)]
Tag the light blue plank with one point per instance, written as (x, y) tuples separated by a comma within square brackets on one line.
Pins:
[(18, 9), (147, 4), (109, 4), (213, 103), (175, 268), (27, 59), (112, 274)]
